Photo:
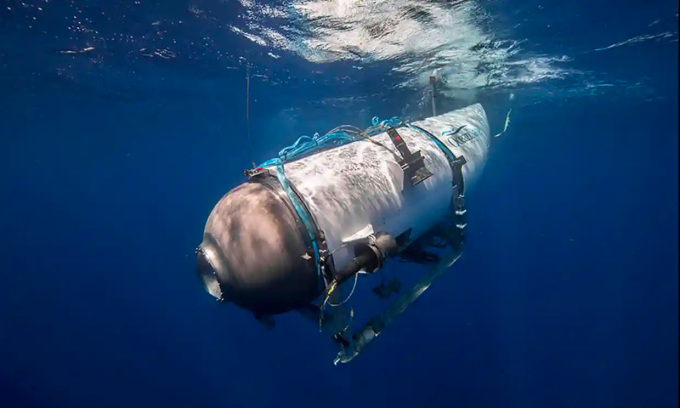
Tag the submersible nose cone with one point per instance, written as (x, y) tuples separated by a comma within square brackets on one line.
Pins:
[(254, 250)]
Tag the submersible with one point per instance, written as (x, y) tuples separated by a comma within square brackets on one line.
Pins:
[(346, 203)]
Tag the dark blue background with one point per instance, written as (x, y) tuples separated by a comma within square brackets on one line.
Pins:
[(566, 297)]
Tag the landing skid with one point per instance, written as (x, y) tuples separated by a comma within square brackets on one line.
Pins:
[(354, 345)]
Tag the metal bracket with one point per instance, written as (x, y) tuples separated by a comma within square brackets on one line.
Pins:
[(250, 173), (412, 164)]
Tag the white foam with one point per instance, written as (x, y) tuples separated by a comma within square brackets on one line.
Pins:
[(251, 37), (416, 36), (638, 39)]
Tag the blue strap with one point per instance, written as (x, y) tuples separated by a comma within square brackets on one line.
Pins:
[(300, 209), (449, 154), (305, 145)]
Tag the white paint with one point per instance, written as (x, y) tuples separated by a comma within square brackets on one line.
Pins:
[(359, 184)]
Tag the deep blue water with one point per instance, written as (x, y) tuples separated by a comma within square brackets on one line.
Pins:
[(566, 296)]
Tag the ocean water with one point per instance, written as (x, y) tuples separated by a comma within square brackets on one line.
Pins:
[(123, 123)]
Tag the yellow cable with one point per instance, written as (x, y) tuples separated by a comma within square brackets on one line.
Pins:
[(507, 122)]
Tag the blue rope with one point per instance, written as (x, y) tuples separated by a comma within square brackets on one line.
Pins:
[(306, 144), (339, 136), (394, 121)]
